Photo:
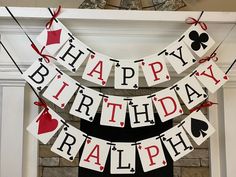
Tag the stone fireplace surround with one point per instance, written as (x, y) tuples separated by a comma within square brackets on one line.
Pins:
[(120, 34)]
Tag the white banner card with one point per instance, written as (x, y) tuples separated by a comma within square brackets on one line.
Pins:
[(211, 76), (54, 38), (69, 142), (61, 89), (123, 157), (198, 127), (179, 56), (95, 154), (151, 154), (86, 103), (72, 54), (39, 74), (154, 69), (190, 91), (98, 69), (167, 104), (113, 111), (176, 142), (126, 75), (141, 112), (198, 40), (45, 125)]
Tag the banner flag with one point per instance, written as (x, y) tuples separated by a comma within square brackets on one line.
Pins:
[(126, 75), (141, 112), (190, 91), (151, 154), (86, 103), (198, 127), (72, 54), (113, 111), (123, 158), (176, 142), (198, 40), (69, 142), (211, 76), (61, 89), (95, 154), (179, 56), (54, 38), (154, 69), (98, 69), (39, 74), (167, 104), (45, 125)]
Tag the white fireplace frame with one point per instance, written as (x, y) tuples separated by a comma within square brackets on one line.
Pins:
[(140, 33)]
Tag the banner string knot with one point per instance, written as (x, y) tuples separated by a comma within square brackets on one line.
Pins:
[(191, 20), (203, 105), (208, 58), (54, 16)]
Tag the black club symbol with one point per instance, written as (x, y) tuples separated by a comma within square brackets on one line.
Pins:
[(198, 40)]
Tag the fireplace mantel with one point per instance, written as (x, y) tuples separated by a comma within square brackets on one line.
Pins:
[(136, 34)]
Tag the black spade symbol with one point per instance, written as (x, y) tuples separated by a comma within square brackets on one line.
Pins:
[(198, 40), (198, 128)]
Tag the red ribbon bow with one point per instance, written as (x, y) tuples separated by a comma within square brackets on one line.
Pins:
[(41, 103), (203, 105), (191, 20), (55, 14), (45, 56), (208, 58)]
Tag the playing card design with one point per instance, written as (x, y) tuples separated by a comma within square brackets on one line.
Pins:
[(123, 157), (141, 112), (177, 142), (69, 142), (211, 76), (167, 104), (45, 125), (126, 75), (61, 89), (179, 56), (198, 40), (54, 38), (95, 154), (86, 103), (190, 91), (98, 69), (39, 74), (198, 127), (155, 69), (72, 54), (151, 154), (113, 111)]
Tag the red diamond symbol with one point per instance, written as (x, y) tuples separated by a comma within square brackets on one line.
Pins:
[(54, 37), (163, 162)]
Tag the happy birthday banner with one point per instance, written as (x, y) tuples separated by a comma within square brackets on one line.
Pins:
[(43, 75)]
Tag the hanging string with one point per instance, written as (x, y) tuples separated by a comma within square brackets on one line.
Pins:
[(54, 16), (45, 56), (42, 102), (231, 66), (203, 105), (191, 20), (213, 54)]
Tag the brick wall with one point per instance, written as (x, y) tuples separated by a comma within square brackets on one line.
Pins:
[(195, 164)]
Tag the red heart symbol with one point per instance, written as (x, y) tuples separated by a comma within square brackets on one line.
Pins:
[(63, 105), (226, 77), (180, 111), (105, 99), (101, 168), (155, 98), (59, 76), (103, 82), (167, 77), (197, 74), (122, 124), (143, 63), (163, 162), (46, 123), (92, 56), (140, 147), (88, 141)]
